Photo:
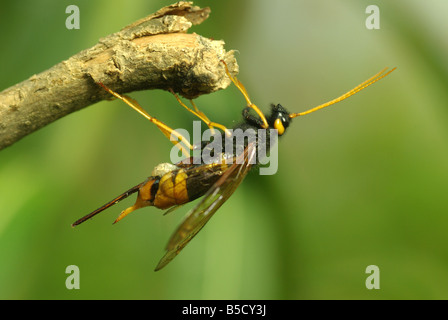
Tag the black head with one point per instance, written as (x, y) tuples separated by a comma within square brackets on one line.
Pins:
[(279, 118)]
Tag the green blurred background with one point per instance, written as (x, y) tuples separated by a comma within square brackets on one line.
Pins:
[(362, 183)]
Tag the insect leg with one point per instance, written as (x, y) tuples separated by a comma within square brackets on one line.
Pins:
[(243, 90), (166, 130), (198, 113), (250, 118)]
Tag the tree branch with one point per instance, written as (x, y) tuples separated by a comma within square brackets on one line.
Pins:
[(152, 53)]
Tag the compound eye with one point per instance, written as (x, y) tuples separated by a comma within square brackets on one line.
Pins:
[(279, 126)]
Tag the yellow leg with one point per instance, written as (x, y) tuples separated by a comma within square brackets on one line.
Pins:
[(167, 131), (243, 90), (202, 116)]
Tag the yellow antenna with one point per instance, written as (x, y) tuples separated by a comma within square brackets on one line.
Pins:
[(380, 75)]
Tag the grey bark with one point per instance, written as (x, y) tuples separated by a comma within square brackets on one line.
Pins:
[(152, 53)]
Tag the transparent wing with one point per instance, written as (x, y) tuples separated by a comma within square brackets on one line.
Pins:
[(212, 201)]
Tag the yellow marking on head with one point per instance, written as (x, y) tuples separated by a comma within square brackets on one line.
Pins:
[(279, 126)]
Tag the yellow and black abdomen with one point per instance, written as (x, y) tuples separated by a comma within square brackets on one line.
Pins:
[(171, 190), (185, 185), (176, 186)]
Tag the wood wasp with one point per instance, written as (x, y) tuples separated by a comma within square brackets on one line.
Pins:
[(172, 185)]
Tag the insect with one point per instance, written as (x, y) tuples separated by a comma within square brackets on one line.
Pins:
[(172, 185)]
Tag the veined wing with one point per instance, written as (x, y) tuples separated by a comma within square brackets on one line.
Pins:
[(212, 201)]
